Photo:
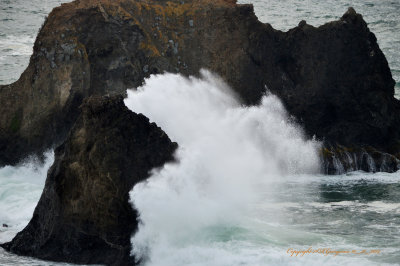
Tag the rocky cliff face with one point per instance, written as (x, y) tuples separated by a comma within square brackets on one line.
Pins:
[(334, 79), (83, 215)]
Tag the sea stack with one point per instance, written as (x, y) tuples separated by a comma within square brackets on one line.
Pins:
[(334, 80), (84, 215)]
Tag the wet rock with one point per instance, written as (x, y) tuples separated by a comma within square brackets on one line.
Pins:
[(339, 159), (84, 215)]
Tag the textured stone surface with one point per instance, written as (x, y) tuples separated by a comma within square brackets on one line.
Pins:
[(338, 159), (334, 79), (83, 215)]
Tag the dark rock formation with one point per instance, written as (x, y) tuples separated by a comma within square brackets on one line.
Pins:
[(83, 215), (334, 79), (339, 159)]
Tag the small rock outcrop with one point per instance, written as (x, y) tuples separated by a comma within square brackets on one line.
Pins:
[(338, 159), (84, 214), (333, 79)]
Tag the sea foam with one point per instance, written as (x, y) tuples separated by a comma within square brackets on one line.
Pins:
[(225, 151)]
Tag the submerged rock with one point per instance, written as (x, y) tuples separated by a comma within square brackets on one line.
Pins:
[(83, 215)]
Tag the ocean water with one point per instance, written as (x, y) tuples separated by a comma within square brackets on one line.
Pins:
[(20, 190), (246, 190), (20, 23)]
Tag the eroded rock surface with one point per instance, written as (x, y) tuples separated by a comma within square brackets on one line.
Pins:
[(83, 215), (333, 79)]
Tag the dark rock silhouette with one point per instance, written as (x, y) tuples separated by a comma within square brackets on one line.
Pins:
[(83, 215), (333, 79)]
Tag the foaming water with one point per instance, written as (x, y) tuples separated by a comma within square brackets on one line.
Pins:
[(245, 187), (226, 151), (20, 190)]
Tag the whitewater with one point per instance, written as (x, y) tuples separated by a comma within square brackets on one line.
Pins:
[(226, 152), (245, 186)]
